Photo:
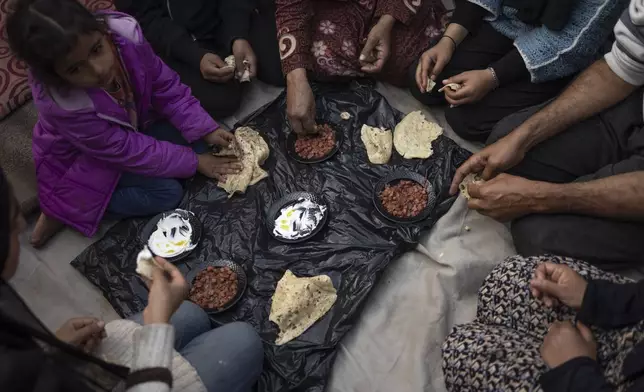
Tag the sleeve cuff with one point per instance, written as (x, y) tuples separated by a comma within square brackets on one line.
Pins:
[(627, 68), (511, 68), (153, 345), (567, 377)]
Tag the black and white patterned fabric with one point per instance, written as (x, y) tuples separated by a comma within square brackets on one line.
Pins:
[(499, 350)]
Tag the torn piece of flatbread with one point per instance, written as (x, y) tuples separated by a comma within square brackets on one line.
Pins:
[(230, 61), (452, 86), (378, 142), (472, 178), (299, 302), (414, 135), (145, 263), (345, 115), (430, 85), (252, 152)]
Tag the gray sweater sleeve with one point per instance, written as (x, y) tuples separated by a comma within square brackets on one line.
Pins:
[(626, 58), (153, 345)]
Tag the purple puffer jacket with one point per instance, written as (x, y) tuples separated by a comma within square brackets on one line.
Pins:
[(83, 140)]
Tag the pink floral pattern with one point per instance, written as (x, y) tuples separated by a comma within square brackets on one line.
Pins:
[(319, 48), (327, 27), (348, 48)]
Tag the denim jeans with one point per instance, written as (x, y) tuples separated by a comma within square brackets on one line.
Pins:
[(228, 358), (137, 195)]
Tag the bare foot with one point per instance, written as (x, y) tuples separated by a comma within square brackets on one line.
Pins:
[(46, 227)]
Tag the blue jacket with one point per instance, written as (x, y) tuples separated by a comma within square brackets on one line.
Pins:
[(549, 54)]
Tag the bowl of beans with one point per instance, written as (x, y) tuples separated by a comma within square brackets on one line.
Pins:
[(404, 197), (317, 147), (216, 285)]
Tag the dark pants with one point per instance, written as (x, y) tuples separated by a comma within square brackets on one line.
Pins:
[(475, 121), (605, 145), (137, 195), (223, 99)]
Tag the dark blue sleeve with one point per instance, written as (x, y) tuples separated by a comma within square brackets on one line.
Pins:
[(577, 375)]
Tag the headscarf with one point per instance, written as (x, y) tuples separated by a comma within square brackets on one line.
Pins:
[(5, 218), (28, 351)]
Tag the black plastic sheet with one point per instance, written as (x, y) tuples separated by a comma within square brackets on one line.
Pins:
[(353, 249)]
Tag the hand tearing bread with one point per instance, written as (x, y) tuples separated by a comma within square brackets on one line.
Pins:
[(145, 263), (452, 86), (473, 178)]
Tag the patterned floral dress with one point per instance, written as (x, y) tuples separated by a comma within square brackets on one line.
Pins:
[(500, 349), (327, 36)]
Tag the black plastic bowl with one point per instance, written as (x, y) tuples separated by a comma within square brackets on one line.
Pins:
[(151, 226), (241, 281), (393, 179), (276, 208), (292, 137)]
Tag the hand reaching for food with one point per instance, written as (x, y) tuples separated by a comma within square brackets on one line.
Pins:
[(300, 102), (218, 167)]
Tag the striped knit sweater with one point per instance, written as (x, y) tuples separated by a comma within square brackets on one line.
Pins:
[(139, 347), (551, 55)]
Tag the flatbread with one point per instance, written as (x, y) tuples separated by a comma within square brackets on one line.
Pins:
[(230, 61), (472, 178), (145, 263), (430, 85), (452, 86), (414, 135), (298, 303), (252, 152), (378, 142)]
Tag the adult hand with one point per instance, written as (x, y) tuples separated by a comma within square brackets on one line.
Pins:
[(493, 159), (168, 289), (221, 138), (474, 86), (433, 61), (214, 69), (82, 332), (504, 198), (300, 102), (565, 341), (554, 283), (217, 167), (377, 48), (244, 58)]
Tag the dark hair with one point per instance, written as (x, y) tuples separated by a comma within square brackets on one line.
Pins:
[(40, 32)]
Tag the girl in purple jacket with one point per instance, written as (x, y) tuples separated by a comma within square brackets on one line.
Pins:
[(116, 127)]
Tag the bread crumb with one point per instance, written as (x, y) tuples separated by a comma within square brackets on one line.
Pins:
[(345, 115), (467, 228)]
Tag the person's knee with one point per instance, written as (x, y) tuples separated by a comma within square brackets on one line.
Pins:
[(245, 339), (464, 124), (223, 100), (531, 235), (191, 314)]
